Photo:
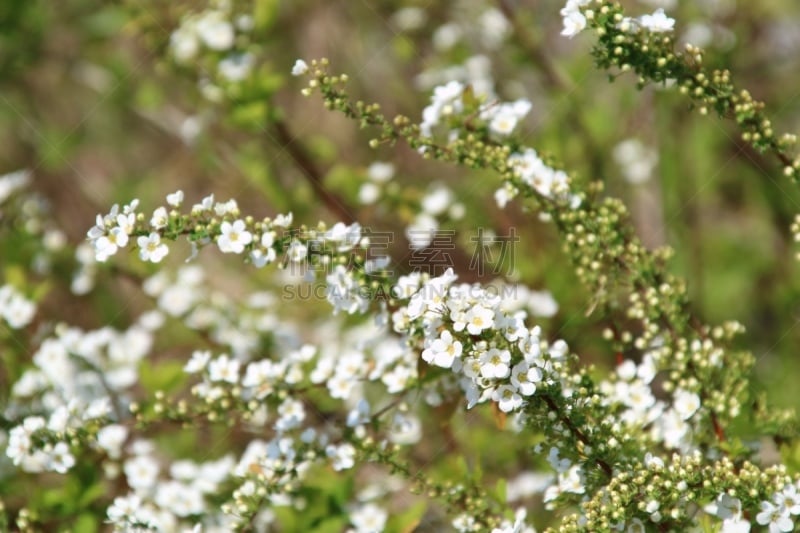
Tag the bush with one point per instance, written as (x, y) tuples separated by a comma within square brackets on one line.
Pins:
[(489, 333)]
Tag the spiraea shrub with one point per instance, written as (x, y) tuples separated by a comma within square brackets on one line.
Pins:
[(399, 266)]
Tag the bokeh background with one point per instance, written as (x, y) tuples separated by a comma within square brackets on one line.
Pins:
[(93, 102)]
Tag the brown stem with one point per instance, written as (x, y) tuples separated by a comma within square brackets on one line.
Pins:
[(577, 432), (311, 173)]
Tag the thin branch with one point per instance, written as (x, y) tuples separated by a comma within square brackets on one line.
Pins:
[(311, 173)]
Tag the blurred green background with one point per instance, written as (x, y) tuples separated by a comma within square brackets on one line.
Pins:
[(93, 104)]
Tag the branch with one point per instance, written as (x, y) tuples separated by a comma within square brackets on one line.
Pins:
[(311, 173)]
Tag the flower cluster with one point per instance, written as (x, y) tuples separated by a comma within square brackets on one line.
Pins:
[(455, 100), (166, 499), (13, 182), (324, 410), (645, 46), (534, 174), (15, 308), (464, 328), (220, 35), (577, 13), (593, 234), (263, 242)]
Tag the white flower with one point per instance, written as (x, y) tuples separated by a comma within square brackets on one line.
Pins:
[(542, 303), (446, 100), (346, 236), (206, 204), (437, 201), (465, 522), (507, 398), (494, 363), (377, 264), (124, 507), (343, 456), (518, 526), (341, 386), (98, 408), (198, 362), (368, 193), (636, 160), (151, 248), (421, 231), (494, 27), (574, 23), (524, 378), (446, 36), (671, 429), (775, 516), (59, 419), (180, 498), (190, 129), (127, 221), (789, 499), (61, 459), (653, 462), (18, 311), (261, 258), (442, 351), (658, 22), (223, 208), (652, 508), (685, 403), (215, 32), (111, 438), (406, 286), (234, 237), (223, 368), (479, 318), (736, 524), (297, 251), (360, 415), (141, 472), (292, 413), (533, 171), (368, 518), (406, 429), (300, 67), (502, 196), (160, 218), (283, 221), (380, 172), (184, 43), (175, 199), (572, 480), (344, 292), (13, 181), (107, 245), (503, 123), (236, 67)]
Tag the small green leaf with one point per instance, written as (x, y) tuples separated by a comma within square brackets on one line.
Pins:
[(499, 491), (408, 520)]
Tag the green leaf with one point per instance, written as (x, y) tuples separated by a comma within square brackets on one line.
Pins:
[(85, 523), (163, 376), (499, 491), (90, 495), (332, 525), (407, 520), (15, 276)]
